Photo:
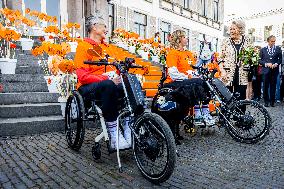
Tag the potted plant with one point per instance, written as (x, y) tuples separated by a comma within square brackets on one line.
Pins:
[(71, 28), (8, 61)]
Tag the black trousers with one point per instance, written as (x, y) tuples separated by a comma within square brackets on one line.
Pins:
[(108, 93), (242, 90), (269, 81), (282, 88), (239, 89), (256, 87)]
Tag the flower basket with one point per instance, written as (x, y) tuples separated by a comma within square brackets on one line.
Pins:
[(73, 46), (51, 84), (132, 49), (37, 31), (8, 66), (3, 62), (140, 51), (145, 55), (27, 44), (62, 102), (120, 44), (155, 58)]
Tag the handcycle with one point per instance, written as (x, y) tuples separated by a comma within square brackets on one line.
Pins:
[(246, 121), (152, 141)]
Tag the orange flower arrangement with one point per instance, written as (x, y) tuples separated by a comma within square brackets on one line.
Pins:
[(69, 32), (67, 66), (52, 29)]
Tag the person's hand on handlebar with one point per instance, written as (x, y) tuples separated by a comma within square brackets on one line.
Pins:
[(116, 80)]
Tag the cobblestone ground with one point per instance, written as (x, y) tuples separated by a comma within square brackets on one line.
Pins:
[(213, 160)]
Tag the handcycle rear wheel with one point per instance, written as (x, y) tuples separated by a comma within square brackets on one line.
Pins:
[(74, 121), (248, 121), (154, 147)]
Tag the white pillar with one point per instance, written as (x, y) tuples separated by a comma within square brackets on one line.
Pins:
[(43, 6), (63, 12)]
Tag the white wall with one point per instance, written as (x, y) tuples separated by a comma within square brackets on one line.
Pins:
[(259, 23)]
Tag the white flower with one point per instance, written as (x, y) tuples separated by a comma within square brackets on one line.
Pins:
[(161, 100)]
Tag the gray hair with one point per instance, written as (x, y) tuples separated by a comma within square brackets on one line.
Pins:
[(93, 20), (241, 25), (270, 37)]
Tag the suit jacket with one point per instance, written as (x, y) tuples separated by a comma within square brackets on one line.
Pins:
[(276, 58)]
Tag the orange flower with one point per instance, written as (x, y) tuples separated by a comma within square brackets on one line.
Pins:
[(35, 51), (54, 19), (41, 16), (41, 39), (66, 66), (49, 81), (76, 25), (13, 45), (69, 25), (50, 37), (28, 10)]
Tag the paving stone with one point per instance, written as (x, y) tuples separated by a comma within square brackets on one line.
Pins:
[(206, 161)]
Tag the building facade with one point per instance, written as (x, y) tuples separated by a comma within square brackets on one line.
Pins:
[(195, 17), (145, 17), (261, 25)]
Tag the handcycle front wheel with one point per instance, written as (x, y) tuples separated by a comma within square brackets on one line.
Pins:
[(154, 147), (74, 121), (247, 121)]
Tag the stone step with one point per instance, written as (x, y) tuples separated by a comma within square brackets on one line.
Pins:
[(31, 125), (36, 78), (29, 70), (29, 110), (26, 56), (24, 87), (25, 62), (28, 98)]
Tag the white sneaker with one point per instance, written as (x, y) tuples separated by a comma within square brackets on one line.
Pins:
[(209, 120), (123, 144), (127, 132)]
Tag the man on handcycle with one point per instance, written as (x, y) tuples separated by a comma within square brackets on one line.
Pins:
[(96, 82)]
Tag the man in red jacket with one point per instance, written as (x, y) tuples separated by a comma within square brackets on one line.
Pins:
[(94, 83)]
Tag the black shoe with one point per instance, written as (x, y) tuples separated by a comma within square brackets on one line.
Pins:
[(177, 142), (272, 104), (179, 137), (266, 104)]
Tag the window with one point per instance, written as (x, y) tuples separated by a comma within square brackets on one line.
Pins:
[(203, 7), (186, 3), (251, 34), (165, 30), (283, 31), (53, 9), (33, 5), (187, 33), (110, 18), (267, 31), (216, 10), (140, 24)]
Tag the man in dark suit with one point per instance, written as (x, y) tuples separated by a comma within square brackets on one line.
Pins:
[(270, 59), (282, 75)]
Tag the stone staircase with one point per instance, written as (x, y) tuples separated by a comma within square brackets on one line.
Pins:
[(26, 106)]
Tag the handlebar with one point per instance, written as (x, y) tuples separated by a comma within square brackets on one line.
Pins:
[(205, 72), (105, 63), (99, 63)]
